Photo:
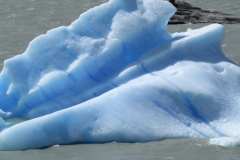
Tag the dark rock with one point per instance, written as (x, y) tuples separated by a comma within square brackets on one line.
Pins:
[(186, 13)]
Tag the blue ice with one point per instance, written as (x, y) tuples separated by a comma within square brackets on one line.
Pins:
[(117, 74)]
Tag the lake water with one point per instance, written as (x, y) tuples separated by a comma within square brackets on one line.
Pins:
[(23, 20)]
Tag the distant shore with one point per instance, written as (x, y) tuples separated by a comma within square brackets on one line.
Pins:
[(187, 13)]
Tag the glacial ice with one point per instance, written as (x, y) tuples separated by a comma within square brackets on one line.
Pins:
[(117, 74)]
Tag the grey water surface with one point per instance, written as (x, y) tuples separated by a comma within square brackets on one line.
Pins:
[(23, 20)]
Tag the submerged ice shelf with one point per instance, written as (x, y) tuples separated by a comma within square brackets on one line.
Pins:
[(117, 74)]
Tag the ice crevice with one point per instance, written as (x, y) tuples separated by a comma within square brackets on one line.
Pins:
[(189, 105), (173, 114)]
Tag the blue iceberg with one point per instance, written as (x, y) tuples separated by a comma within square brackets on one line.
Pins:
[(117, 74)]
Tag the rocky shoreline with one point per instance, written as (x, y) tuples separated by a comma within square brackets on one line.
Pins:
[(187, 13)]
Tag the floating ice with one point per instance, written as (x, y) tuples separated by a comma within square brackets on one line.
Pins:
[(117, 74), (226, 141)]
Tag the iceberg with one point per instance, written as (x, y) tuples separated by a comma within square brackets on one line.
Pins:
[(117, 74)]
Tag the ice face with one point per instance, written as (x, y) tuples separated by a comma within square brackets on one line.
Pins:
[(117, 74), (70, 65)]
